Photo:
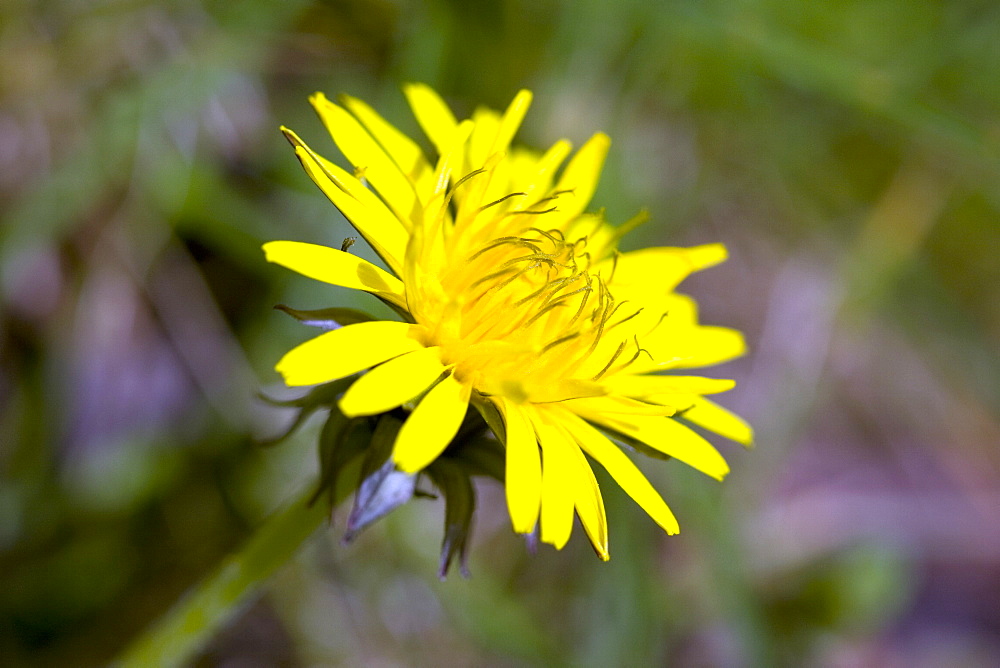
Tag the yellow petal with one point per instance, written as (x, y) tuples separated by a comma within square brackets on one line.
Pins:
[(538, 186), (700, 346), (511, 121), (347, 350), (451, 157), (669, 437), (367, 213), (581, 176), (649, 385), (669, 311), (404, 151), (335, 267), (392, 384), (714, 417), (432, 113), (431, 426), (425, 251), (484, 133), (369, 157), (662, 269), (681, 310), (621, 468), (542, 392), (677, 341), (558, 484), (617, 404), (523, 482), (590, 505)]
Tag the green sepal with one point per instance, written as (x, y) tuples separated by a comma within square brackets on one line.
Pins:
[(340, 441), (322, 396), (455, 484), (327, 318), (482, 455), (491, 415), (475, 448)]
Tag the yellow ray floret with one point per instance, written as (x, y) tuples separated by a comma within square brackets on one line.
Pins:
[(524, 468), (432, 113), (369, 215), (670, 266), (346, 351), (336, 267), (393, 384), (431, 426), (588, 500), (713, 417), (667, 436), (369, 158), (621, 468), (559, 483)]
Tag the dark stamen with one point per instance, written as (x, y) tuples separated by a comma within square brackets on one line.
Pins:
[(555, 343), (502, 199), (611, 361), (528, 211), (624, 320)]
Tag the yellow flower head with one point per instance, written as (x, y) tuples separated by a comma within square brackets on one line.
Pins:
[(514, 300)]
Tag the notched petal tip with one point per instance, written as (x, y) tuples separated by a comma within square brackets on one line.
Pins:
[(319, 98), (745, 437), (418, 87), (290, 375), (524, 529)]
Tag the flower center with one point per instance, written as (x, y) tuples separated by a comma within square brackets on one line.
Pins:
[(525, 311)]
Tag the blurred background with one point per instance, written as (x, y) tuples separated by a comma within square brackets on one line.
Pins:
[(848, 154)]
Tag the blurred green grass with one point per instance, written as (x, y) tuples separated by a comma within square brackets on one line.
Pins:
[(848, 155)]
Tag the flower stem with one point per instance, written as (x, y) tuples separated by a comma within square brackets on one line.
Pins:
[(185, 629)]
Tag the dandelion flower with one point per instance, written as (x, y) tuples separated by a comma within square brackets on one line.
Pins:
[(515, 301)]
